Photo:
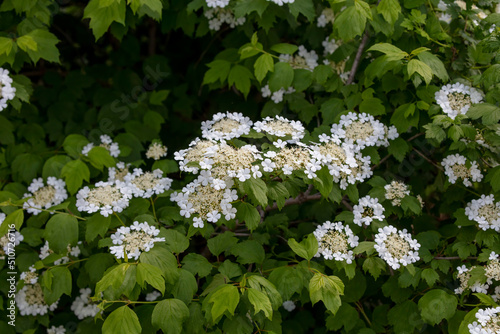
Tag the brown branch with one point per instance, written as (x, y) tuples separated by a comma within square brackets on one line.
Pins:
[(357, 60), (429, 160)]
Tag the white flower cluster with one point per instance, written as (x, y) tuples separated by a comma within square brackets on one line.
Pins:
[(56, 330), (30, 301), (442, 15), (45, 251), (327, 16), (397, 248), (29, 277), (485, 212), (44, 197), (456, 99), (107, 143), (118, 172), (488, 321), (152, 296), (395, 192), (82, 306), (7, 92), (363, 130), (12, 238), (282, 2), (226, 126), (191, 158), (464, 275), (455, 166), (339, 68), (207, 199), (281, 127), (335, 241), (218, 16), (106, 197), (156, 151), (217, 3), (307, 60), (367, 210), (145, 184), (132, 241), (278, 95), (330, 45)]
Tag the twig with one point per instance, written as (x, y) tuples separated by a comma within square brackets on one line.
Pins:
[(346, 203), (357, 60), (429, 160)]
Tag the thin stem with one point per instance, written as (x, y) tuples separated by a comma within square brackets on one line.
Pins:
[(357, 60), (121, 221), (429, 160), (360, 309), (45, 210), (154, 210)]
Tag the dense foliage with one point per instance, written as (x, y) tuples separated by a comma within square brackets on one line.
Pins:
[(249, 166)]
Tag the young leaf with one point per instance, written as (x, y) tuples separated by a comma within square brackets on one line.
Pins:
[(169, 315), (122, 320), (306, 249)]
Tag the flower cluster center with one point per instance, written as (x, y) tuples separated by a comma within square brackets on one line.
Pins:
[(225, 125), (44, 195), (106, 195), (34, 294), (136, 240), (145, 181), (459, 100), (490, 212), (397, 246), (358, 130), (335, 241)]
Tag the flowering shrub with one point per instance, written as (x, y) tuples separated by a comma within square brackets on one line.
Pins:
[(249, 166)]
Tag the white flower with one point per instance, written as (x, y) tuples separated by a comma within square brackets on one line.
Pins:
[(279, 143), (44, 197), (330, 45), (133, 240), (256, 173), (226, 126), (107, 143), (218, 16), (118, 172), (9, 240), (455, 166), (243, 174), (30, 301), (487, 321), (395, 192), (213, 216), (397, 248), (367, 210), (7, 92), (281, 127), (335, 241), (152, 296), (146, 184), (289, 305), (83, 307), (266, 91), (217, 3), (456, 99), (360, 130), (268, 165), (29, 277), (281, 2), (56, 330), (106, 198), (485, 212), (156, 151), (327, 16), (198, 222)]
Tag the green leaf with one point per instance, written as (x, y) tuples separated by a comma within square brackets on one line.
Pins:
[(256, 189), (26, 167), (222, 243), (97, 264), (287, 281), (245, 7), (15, 218), (278, 192), (390, 10), (327, 289), (304, 7), (169, 315), (490, 113), (421, 68), (285, 48), (99, 157), (117, 281), (73, 145), (435, 64), (392, 52), (263, 285), (411, 203), (197, 264), (6, 45), (282, 76), (404, 317), (363, 8), (152, 8), (240, 76), (430, 276), (61, 230), (306, 249), (185, 287), (437, 305), (74, 173), (399, 148), (38, 44), (248, 213), (54, 165), (262, 65), (260, 302), (249, 251), (350, 23), (60, 279), (374, 265), (493, 177), (122, 320), (224, 299), (97, 224), (152, 275), (404, 117), (486, 299), (365, 246), (176, 242), (219, 70), (161, 257), (324, 181), (101, 15)]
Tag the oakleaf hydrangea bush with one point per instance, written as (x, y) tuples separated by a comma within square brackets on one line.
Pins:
[(249, 166)]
